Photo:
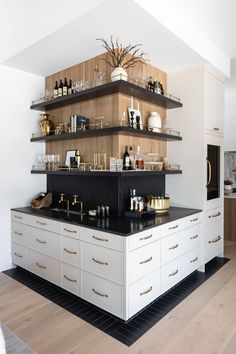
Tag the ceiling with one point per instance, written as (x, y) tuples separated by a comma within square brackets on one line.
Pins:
[(44, 36)]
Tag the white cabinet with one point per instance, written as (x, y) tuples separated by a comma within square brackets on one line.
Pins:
[(120, 274)]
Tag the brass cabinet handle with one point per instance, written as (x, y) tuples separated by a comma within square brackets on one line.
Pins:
[(196, 219), (18, 217), (40, 266), (215, 240), (18, 233), (174, 247), (100, 239), (68, 251), (41, 241), (173, 227), (174, 273), (146, 291), (146, 260), (99, 262), (194, 260), (18, 255), (193, 237), (145, 237), (71, 231), (100, 294), (216, 129), (209, 166), (41, 223), (214, 215), (69, 279)]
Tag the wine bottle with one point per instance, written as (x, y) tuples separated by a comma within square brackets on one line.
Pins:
[(131, 159), (65, 88), (161, 88), (60, 89), (55, 91), (70, 88), (126, 159)]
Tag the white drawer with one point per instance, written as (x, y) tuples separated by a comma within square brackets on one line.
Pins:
[(102, 261), (44, 223), (70, 230), (18, 217), (143, 238), (103, 239), (172, 273), (44, 266), (71, 251), (18, 254), (143, 291), (213, 240), (172, 227), (71, 279), (143, 261), (193, 236), (43, 241), (172, 247), (213, 215), (193, 260), (102, 293), (18, 232), (193, 219)]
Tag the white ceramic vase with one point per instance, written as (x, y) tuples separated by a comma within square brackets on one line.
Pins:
[(154, 122), (119, 74)]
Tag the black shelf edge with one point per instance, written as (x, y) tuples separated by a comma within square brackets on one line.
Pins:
[(108, 131), (107, 173), (119, 86)]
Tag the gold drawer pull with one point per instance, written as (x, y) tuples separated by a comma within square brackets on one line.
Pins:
[(71, 231), (69, 279), (193, 237), (145, 237), (216, 129), (41, 223), (215, 240), (146, 291), (99, 262), (40, 266), (18, 233), (214, 215), (68, 251), (18, 217), (174, 273), (196, 219), (100, 239), (146, 260), (174, 247), (100, 294), (194, 260), (18, 255), (40, 241), (173, 227)]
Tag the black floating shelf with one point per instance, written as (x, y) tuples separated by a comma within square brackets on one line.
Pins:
[(120, 86), (107, 131), (107, 173)]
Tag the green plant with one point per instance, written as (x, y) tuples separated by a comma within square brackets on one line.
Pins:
[(227, 182)]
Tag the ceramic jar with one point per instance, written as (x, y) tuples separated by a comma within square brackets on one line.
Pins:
[(119, 74), (154, 122)]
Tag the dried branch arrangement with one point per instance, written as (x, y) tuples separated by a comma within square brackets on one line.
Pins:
[(121, 56)]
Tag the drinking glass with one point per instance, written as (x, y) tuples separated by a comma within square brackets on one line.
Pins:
[(113, 164), (119, 165)]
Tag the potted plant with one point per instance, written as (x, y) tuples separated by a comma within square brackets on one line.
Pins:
[(228, 186), (122, 58)]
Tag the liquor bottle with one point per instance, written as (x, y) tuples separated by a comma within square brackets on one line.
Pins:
[(155, 86), (78, 157), (150, 84), (70, 88), (161, 88), (60, 89), (65, 88), (139, 163), (131, 159), (126, 159), (55, 91)]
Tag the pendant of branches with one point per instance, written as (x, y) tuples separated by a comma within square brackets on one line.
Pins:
[(120, 56)]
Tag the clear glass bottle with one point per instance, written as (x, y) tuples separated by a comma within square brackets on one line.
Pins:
[(139, 163)]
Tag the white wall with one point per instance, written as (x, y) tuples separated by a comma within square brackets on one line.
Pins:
[(230, 110), (17, 185)]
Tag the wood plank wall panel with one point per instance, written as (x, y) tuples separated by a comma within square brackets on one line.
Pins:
[(111, 107)]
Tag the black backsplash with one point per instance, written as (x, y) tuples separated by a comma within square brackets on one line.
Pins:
[(102, 190)]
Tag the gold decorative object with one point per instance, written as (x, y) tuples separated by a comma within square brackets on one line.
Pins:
[(46, 125)]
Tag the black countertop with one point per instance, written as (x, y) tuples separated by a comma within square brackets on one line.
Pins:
[(122, 226)]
